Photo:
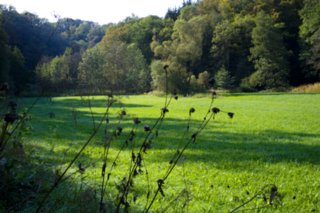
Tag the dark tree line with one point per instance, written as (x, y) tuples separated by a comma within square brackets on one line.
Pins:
[(27, 40), (248, 45)]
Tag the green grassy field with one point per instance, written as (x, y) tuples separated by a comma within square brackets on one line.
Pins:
[(273, 139)]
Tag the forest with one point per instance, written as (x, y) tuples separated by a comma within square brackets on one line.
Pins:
[(242, 45)]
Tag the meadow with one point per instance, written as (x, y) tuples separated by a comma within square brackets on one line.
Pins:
[(272, 139)]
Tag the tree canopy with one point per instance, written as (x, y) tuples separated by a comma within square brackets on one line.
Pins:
[(255, 45)]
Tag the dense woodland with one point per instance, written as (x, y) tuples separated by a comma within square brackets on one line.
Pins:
[(229, 44)]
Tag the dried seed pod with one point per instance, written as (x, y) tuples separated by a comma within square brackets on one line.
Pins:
[(273, 194), (160, 183), (136, 121), (192, 110), (119, 131), (139, 160), (146, 128), (132, 135), (135, 172), (165, 110), (104, 166), (81, 168), (133, 156), (123, 113), (52, 115), (215, 110), (11, 117), (146, 146), (194, 137), (230, 114), (12, 105)]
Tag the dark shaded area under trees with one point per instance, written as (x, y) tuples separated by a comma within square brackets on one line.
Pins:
[(246, 45)]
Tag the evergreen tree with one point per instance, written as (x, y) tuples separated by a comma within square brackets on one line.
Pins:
[(4, 54), (269, 54), (310, 32), (19, 74), (223, 79)]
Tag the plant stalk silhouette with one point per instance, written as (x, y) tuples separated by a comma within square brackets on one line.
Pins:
[(92, 135)]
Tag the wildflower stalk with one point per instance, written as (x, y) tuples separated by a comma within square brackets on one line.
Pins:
[(3, 139), (177, 157), (273, 194), (60, 178), (136, 161)]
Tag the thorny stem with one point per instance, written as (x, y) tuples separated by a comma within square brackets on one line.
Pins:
[(256, 208), (174, 200), (156, 126), (185, 133), (118, 154), (106, 151), (135, 165), (166, 77), (148, 181), (92, 116), (192, 139), (3, 134), (20, 121), (105, 180), (57, 182), (132, 152), (186, 187), (252, 198)]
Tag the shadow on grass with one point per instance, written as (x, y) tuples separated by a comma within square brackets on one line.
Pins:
[(224, 149), (221, 149), (229, 153)]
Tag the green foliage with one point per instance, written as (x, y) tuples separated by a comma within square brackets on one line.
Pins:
[(200, 84), (141, 33), (231, 44), (116, 66), (91, 70), (310, 32), (30, 38), (12, 63), (254, 40), (79, 35), (182, 52), (4, 54), (311, 20), (269, 54), (177, 77), (56, 75), (19, 74), (204, 79), (188, 12), (223, 79)]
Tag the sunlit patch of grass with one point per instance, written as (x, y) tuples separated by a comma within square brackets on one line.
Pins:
[(273, 139)]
